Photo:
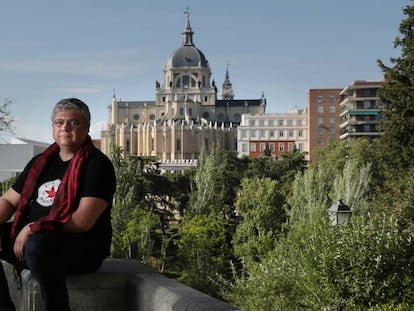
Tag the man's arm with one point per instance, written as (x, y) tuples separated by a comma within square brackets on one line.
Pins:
[(8, 204), (83, 219)]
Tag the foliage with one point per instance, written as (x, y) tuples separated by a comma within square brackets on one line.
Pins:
[(316, 266), (202, 250), (6, 184), (397, 198), (6, 118), (398, 95), (260, 204), (216, 183)]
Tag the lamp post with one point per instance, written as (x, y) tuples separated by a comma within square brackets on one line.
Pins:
[(339, 213)]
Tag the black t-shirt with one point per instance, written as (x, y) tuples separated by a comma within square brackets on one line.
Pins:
[(97, 180)]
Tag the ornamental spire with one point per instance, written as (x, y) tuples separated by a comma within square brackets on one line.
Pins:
[(187, 33)]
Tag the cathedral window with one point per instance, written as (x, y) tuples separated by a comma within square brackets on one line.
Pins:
[(206, 115), (190, 112), (186, 81), (221, 117), (237, 117), (135, 117), (152, 116), (181, 111)]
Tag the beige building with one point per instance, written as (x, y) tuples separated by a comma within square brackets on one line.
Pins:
[(186, 114), (276, 133)]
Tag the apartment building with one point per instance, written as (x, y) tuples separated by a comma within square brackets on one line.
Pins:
[(323, 117), (273, 133), (360, 109)]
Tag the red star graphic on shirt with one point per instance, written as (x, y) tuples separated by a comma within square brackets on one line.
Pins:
[(51, 193)]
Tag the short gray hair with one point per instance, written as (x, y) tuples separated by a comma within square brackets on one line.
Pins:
[(73, 103)]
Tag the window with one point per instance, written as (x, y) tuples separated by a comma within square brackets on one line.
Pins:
[(289, 122), (178, 145), (280, 122), (271, 133), (320, 141), (272, 147), (152, 116), (252, 122), (332, 99), (290, 133), (186, 81), (237, 117), (244, 147), (332, 120), (206, 115), (281, 133), (253, 147), (261, 122), (281, 147), (221, 117), (253, 133), (332, 109), (320, 130), (271, 122), (291, 147), (320, 109), (299, 122), (300, 133), (190, 111), (367, 93), (320, 98), (300, 147), (262, 147), (181, 111), (205, 97), (243, 133), (136, 117), (332, 131), (262, 133), (320, 120)]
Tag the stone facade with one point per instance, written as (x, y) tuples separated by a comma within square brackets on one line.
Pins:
[(186, 115)]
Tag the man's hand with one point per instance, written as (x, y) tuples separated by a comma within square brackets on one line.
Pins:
[(21, 240)]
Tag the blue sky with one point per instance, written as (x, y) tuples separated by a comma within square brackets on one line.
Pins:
[(51, 49)]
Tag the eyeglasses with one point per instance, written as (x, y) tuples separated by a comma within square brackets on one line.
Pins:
[(59, 123)]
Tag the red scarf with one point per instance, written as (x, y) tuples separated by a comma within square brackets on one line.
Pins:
[(66, 197)]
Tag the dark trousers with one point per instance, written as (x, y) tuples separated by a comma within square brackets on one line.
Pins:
[(50, 257)]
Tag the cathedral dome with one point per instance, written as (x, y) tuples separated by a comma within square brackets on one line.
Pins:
[(187, 54)]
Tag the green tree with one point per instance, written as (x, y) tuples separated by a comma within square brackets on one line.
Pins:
[(398, 95), (260, 203), (216, 183), (203, 250)]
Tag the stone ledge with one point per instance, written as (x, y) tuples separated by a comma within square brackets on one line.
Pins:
[(157, 292), (103, 290), (119, 285)]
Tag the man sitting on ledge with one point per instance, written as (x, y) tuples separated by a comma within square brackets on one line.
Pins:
[(62, 205)]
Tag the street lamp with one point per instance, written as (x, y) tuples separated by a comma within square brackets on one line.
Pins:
[(339, 213)]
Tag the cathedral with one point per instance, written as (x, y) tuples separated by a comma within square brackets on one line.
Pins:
[(186, 115)]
